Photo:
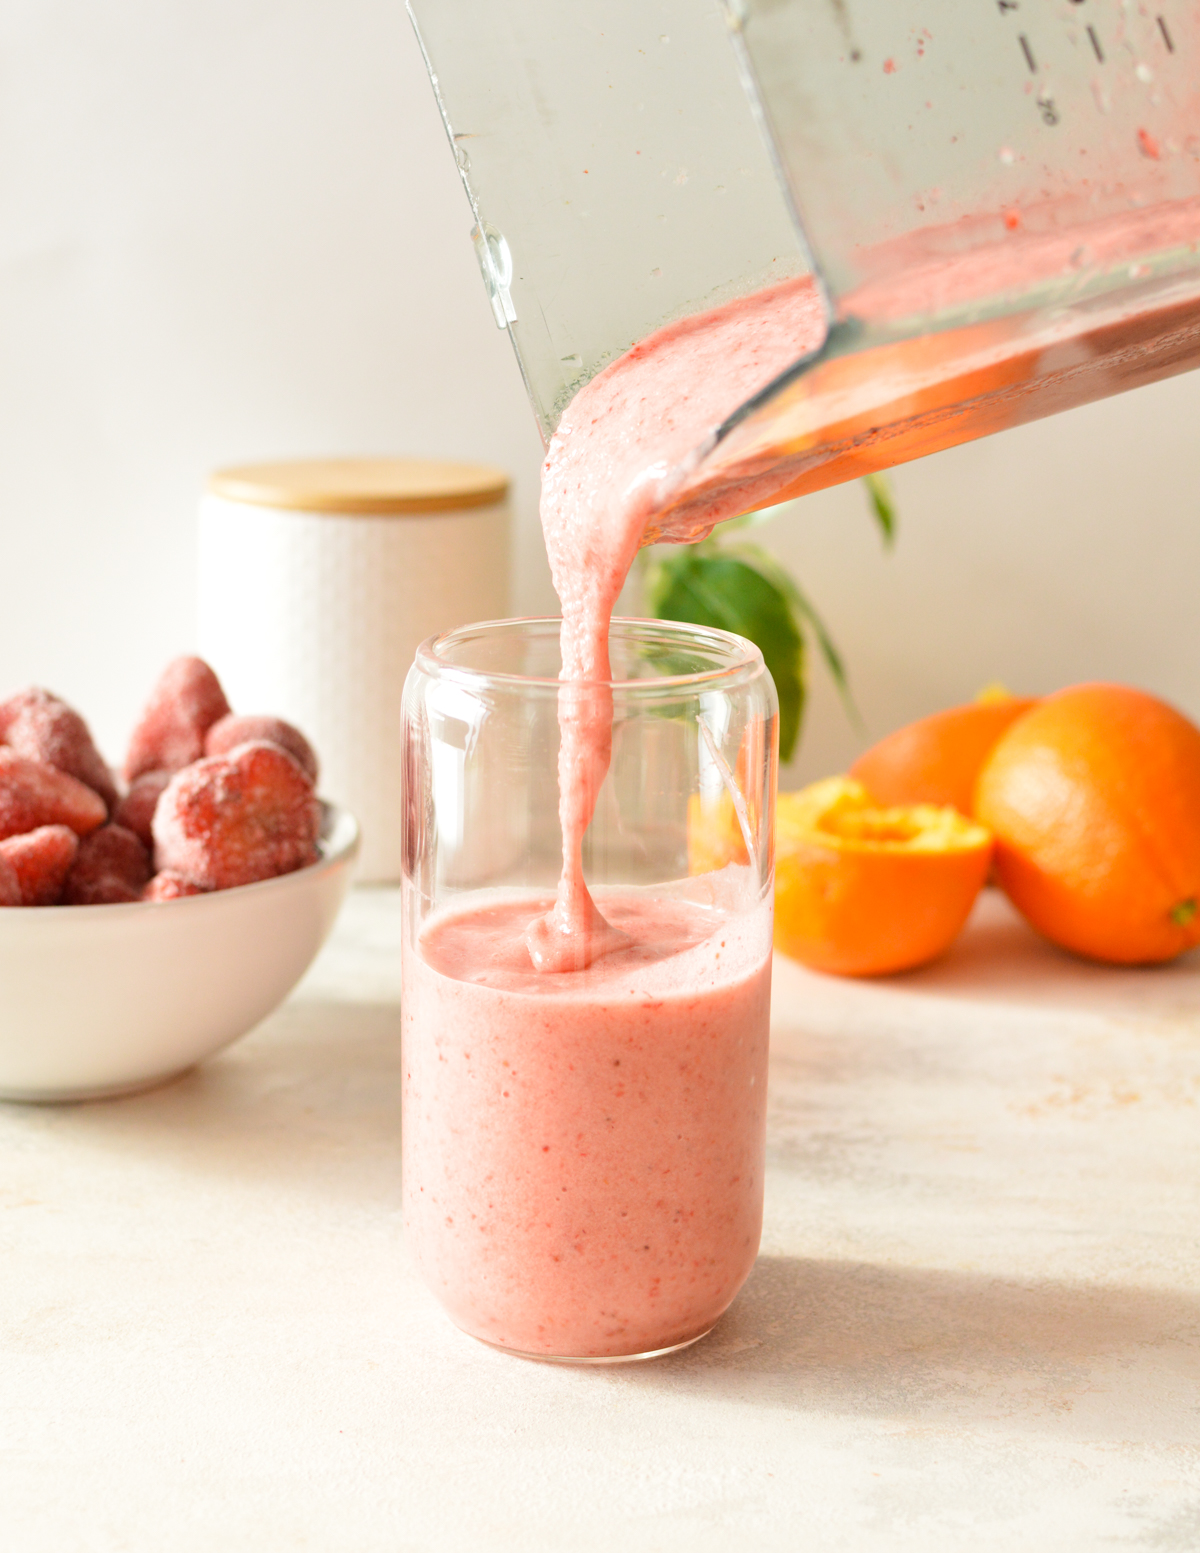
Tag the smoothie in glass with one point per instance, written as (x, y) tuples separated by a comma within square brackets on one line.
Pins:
[(583, 1152)]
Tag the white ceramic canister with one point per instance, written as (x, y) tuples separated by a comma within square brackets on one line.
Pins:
[(318, 580)]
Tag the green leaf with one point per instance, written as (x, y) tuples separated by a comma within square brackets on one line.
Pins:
[(707, 586), (764, 562), (883, 504)]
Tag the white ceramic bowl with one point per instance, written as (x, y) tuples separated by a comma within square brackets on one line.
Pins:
[(101, 1000)]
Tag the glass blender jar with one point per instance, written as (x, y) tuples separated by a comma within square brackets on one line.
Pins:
[(998, 204)]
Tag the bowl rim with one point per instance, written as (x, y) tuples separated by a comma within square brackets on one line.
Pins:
[(339, 842)]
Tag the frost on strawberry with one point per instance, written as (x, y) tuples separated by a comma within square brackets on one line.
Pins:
[(41, 860), (237, 818), (183, 706), (33, 793), (43, 727), (166, 886), (136, 810), (111, 867), (233, 730)]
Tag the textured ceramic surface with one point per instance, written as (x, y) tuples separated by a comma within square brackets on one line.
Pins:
[(319, 621), (99, 1000)]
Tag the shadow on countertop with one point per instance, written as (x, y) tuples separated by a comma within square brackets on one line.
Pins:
[(935, 1348), (999, 960), (310, 1100)]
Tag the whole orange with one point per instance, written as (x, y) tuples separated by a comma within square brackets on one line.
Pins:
[(862, 890), (938, 759), (1094, 800)]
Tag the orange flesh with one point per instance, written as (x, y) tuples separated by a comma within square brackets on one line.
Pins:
[(870, 825), (863, 891)]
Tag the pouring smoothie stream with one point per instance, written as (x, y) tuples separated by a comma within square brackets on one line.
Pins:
[(608, 483)]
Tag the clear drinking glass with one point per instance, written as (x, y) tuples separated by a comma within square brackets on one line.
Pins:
[(583, 1150)]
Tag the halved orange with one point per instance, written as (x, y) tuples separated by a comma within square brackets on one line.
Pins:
[(938, 759), (862, 890), (714, 833)]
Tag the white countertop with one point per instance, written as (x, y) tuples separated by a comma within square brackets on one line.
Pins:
[(975, 1322)]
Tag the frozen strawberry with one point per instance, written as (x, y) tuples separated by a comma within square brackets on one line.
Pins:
[(233, 730), (166, 886), (10, 885), (33, 793), (40, 726), (183, 706), (136, 810), (111, 866), (235, 818), (41, 860)]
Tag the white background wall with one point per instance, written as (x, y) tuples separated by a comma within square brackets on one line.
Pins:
[(233, 231)]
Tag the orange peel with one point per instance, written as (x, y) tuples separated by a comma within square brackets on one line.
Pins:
[(938, 758), (1094, 800)]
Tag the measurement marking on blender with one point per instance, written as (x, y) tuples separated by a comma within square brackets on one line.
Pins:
[(1096, 49), (1028, 53), (1167, 39)]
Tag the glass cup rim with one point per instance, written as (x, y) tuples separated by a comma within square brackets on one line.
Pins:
[(743, 655)]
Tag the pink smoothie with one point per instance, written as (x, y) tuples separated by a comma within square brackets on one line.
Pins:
[(583, 1152), (607, 485)]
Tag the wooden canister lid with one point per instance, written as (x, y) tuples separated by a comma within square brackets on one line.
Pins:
[(362, 485)]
